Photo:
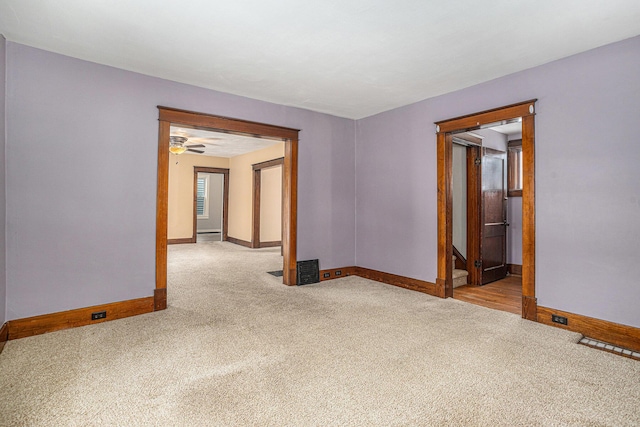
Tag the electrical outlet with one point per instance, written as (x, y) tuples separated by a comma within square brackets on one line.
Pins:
[(99, 315), (559, 319), (326, 275), (338, 272)]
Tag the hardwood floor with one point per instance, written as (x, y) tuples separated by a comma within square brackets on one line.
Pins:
[(505, 294)]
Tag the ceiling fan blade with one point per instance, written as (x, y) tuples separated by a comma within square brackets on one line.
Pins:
[(195, 151), (195, 146)]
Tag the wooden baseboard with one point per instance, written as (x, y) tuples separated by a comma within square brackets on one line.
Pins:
[(602, 330), (530, 308), (251, 245), (441, 290), (337, 273), (515, 269), (379, 276), (238, 242), (181, 241), (159, 299), (36, 325), (269, 244), (614, 333), (4, 336), (395, 280)]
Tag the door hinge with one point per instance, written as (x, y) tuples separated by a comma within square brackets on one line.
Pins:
[(478, 161), (477, 263)]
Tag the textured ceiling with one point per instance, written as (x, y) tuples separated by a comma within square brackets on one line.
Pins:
[(350, 58), (221, 144)]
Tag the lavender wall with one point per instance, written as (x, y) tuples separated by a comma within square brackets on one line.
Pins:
[(587, 180), (81, 179), (3, 253), (80, 215)]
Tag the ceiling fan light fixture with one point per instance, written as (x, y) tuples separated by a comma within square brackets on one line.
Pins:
[(176, 144), (177, 149)]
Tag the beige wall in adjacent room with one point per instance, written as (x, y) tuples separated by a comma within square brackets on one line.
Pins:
[(180, 221), (271, 204), (241, 189)]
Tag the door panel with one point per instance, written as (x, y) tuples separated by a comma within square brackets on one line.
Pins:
[(494, 216)]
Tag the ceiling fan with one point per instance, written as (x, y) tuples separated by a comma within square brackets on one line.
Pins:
[(176, 145)]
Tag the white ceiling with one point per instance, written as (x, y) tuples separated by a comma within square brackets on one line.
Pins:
[(221, 144), (350, 58), (509, 129)]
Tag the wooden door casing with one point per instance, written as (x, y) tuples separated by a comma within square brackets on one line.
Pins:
[(168, 116), (526, 112)]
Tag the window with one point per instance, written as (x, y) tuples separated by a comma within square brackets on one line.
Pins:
[(514, 169), (202, 197)]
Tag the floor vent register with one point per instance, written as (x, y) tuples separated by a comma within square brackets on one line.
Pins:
[(308, 272), (600, 345)]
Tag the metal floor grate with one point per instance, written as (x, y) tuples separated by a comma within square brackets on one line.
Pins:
[(611, 348), (277, 273), (308, 272)]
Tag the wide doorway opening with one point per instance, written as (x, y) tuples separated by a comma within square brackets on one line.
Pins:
[(211, 204), (487, 218), (487, 267), (169, 117)]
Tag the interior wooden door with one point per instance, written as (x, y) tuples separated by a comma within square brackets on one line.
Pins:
[(493, 239)]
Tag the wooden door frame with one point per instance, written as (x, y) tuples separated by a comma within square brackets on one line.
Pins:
[(225, 198), (444, 129), (168, 116), (257, 188), (474, 217), (473, 151)]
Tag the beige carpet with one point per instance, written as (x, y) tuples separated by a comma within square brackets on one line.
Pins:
[(237, 348)]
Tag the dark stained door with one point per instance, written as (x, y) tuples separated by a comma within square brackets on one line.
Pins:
[(493, 239)]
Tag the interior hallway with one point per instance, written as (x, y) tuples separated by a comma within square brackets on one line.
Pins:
[(208, 237)]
